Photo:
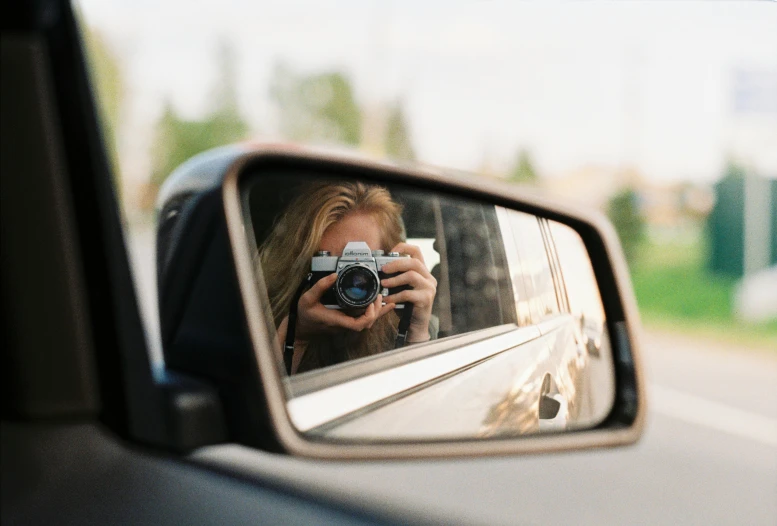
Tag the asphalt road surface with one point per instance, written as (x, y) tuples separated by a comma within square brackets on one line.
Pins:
[(708, 454)]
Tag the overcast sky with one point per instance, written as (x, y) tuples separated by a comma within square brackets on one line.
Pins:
[(649, 84)]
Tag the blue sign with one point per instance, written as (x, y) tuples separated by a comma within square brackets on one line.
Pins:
[(755, 91)]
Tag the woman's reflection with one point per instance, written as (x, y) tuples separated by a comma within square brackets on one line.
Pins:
[(326, 217)]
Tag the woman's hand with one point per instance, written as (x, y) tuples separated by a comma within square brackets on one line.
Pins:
[(414, 273), (314, 318)]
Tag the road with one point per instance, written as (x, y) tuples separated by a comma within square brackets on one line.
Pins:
[(708, 455)]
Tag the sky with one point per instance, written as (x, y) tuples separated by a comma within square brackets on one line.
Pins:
[(650, 85)]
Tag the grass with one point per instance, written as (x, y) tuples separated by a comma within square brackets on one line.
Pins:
[(676, 293)]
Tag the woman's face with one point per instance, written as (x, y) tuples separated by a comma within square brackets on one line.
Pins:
[(353, 227)]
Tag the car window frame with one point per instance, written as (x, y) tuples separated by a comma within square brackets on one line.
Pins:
[(555, 267)]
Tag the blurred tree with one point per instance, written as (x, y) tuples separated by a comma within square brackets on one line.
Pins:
[(523, 171), (225, 89), (319, 107), (178, 139), (108, 84), (398, 144), (623, 210), (226, 122), (734, 171)]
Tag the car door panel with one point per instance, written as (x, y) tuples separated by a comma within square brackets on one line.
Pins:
[(70, 474), (495, 397)]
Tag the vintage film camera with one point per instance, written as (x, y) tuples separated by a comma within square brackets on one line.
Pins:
[(359, 272)]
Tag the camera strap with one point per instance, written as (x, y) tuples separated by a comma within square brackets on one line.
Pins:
[(404, 326), (288, 348)]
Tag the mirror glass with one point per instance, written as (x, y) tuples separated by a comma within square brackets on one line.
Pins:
[(400, 314)]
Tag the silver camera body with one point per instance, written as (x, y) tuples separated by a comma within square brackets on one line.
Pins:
[(359, 273)]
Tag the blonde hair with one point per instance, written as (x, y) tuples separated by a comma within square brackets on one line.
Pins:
[(296, 236)]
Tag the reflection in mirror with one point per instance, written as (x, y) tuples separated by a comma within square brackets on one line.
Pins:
[(403, 314)]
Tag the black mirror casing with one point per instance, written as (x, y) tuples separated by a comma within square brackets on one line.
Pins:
[(203, 327)]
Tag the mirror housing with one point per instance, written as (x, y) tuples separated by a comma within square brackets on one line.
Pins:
[(214, 319)]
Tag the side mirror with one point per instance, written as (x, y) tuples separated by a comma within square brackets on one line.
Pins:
[(350, 309)]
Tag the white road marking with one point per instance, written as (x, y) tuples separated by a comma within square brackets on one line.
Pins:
[(697, 410)]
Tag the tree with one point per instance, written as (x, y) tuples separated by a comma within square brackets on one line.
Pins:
[(226, 122), (178, 139), (523, 171), (319, 107), (734, 171), (623, 211), (225, 89), (398, 143)]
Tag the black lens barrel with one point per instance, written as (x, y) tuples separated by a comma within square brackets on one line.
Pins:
[(357, 286)]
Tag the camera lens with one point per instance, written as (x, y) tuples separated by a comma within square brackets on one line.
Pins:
[(357, 286)]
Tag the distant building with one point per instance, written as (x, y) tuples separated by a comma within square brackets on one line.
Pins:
[(671, 210), (590, 185)]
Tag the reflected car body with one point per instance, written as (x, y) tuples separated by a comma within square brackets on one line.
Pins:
[(502, 395), (535, 376), (592, 334)]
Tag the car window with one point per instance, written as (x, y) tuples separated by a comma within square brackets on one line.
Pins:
[(582, 290), (633, 109), (480, 290), (536, 275), (521, 297)]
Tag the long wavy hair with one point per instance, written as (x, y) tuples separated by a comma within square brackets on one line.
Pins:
[(286, 254)]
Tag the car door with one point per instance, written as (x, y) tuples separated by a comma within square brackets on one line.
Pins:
[(578, 287), (538, 302)]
